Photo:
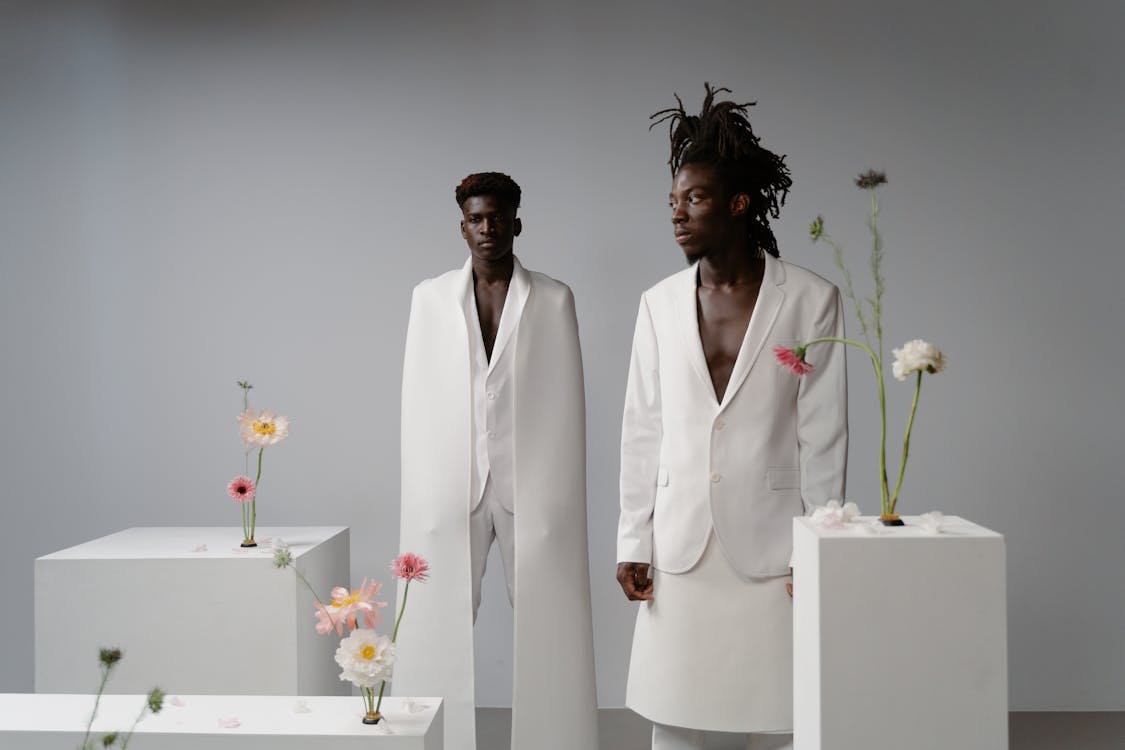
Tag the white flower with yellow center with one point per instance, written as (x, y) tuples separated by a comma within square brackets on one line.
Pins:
[(366, 658), (262, 429)]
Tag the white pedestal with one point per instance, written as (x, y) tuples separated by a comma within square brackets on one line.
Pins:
[(58, 722), (192, 612), (900, 638)]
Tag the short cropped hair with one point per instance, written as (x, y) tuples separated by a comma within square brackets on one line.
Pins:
[(496, 184)]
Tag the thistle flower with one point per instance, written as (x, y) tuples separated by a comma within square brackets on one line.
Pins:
[(109, 739), (410, 567), (871, 179), (109, 656), (155, 700), (792, 360), (282, 557), (816, 229), (244, 385)]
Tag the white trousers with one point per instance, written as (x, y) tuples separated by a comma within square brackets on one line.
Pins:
[(665, 737), (491, 521)]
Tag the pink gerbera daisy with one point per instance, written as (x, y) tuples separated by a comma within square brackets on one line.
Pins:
[(241, 489), (410, 567), (346, 607), (792, 360)]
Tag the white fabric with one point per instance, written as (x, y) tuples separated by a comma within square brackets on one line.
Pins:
[(554, 694), (744, 466), (714, 651), (490, 521), (677, 738), (492, 391)]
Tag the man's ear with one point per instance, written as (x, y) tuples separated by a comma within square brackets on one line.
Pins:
[(464, 232), (518, 227), (739, 204)]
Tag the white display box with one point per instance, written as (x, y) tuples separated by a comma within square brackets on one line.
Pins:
[(192, 611), (900, 637), (38, 721)]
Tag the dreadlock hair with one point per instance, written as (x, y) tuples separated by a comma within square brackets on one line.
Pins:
[(721, 136), (496, 184)]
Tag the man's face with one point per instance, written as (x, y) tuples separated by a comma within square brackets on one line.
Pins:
[(489, 227), (704, 218)]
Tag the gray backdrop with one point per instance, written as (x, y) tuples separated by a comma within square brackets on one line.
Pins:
[(197, 192)]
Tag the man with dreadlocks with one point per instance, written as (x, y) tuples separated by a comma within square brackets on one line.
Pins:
[(494, 448), (720, 448)]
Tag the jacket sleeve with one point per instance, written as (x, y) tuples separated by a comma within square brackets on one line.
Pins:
[(641, 434), (822, 410)]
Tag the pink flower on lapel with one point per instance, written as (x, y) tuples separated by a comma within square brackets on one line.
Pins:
[(793, 360)]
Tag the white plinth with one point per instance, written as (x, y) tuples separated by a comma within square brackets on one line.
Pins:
[(900, 638), (192, 611), (58, 722)]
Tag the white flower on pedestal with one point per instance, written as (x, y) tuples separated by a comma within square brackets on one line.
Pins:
[(833, 515), (366, 658), (932, 522)]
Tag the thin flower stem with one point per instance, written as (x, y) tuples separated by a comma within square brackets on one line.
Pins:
[(254, 502), (875, 362), (877, 272), (312, 591), (98, 700), (849, 288), (394, 635), (129, 736), (906, 440)]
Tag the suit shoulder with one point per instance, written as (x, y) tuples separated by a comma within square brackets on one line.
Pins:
[(437, 284), (802, 278), (667, 286), (549, 286)]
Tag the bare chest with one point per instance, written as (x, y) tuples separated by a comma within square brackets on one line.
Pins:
[(724, 317)]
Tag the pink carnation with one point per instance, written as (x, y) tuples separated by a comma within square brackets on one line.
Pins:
[(346, 607), (792, 360), (410, 567), (241, 489)]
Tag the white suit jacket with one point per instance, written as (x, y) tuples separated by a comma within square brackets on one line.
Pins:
[(744, 467)]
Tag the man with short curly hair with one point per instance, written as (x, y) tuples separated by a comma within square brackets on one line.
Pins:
[(493, 448)]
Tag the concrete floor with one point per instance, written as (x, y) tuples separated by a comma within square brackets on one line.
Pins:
[(621, 729)]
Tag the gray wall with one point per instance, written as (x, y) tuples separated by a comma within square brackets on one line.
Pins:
[(197, 192)]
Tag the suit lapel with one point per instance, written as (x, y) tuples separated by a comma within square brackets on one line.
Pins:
[(687, 315), (766, 309), (514, 303)]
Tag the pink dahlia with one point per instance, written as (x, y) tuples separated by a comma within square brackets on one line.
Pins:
[(410, 567), (792, 360), (241, 489), (347, 606)]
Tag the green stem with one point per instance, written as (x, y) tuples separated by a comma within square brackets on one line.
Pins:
[(98, 700), (876, 272), (129, 736), (875, 362), (849, 288), (254, 502), (394, 637), (312, 591), (906, 440)]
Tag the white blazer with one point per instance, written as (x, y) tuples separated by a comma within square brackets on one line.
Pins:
[(744, 467)]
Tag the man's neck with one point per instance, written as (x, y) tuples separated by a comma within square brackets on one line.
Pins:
[(494, 272), (738, 266)]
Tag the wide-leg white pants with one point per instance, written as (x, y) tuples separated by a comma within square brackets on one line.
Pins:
[(491, 522)]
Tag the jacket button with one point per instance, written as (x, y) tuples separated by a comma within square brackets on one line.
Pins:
[(491, 396), (720, 424), (716, 477)]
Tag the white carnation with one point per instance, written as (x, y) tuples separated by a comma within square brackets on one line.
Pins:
[(917, 356), (366, 658)]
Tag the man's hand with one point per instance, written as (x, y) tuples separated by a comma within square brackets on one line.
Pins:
[(635, 581)]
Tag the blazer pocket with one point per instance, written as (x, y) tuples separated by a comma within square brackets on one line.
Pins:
[(783, 479), (662, 477)]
